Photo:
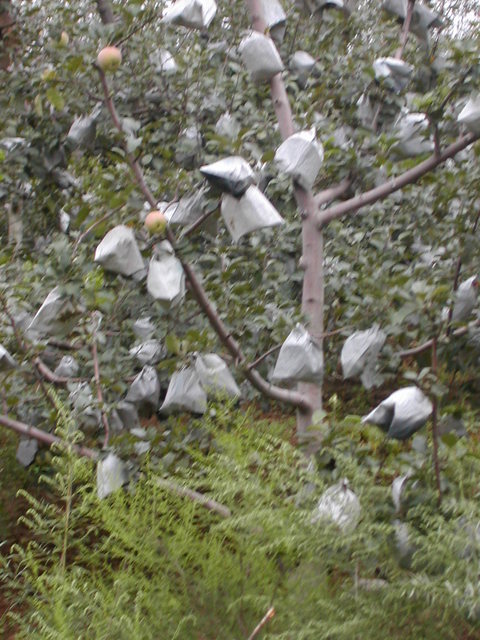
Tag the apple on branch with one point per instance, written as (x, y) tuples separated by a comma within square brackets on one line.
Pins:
[(156, 222), (109, 59)]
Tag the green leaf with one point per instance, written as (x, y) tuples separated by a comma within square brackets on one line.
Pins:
[(55, 98)]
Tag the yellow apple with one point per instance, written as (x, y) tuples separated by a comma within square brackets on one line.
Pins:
[(109, 59), (155, 222)]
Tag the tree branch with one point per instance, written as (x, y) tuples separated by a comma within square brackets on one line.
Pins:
[(294, 398), (42, 436), (406, 29), (52, 377), (332, 193), (268, 616), (194, 496), (394, 184)]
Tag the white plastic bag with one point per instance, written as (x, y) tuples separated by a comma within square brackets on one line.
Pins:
[(128, 415), (185, 393), (47, 319), (470, 115), (148, 352), (82, 132), (401, 414), (143, 328), (465, 299), (365, 113), (227, 127), (423, 18), (186, 211), (195, 14), (359, 354), (300, 359), (111, 475), (302, 64), (260, 56), (119, 252), (26, 451), (67, 367), (339, 505), (232, 175), (275, 18), (300, 157), (166, 278), (163, 62), (145, 389), (249, 213), (394, 73), (215, 376), (410, 129), (6, 360)]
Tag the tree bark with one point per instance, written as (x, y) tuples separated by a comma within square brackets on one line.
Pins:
[(8, 34)]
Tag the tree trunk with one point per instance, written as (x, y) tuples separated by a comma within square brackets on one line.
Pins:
[(8, 34)]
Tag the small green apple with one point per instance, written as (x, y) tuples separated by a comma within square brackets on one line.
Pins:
[(64, 39), (109, 59), (155, 222)]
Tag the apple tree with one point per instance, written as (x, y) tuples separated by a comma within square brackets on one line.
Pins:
[(316, 162)]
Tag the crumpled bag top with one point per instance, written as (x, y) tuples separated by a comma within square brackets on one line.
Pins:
[(111, 475), (185, 393), (195, 14), (232, 175), (300, 156), (260, 56), (215, 376)]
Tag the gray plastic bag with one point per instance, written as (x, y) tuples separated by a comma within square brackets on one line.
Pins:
[(6, 360), (410, 129), (339, 505), (275, 18), (187, 210), (465, 299), (394, 73), (260, 56), (128, 415), (215, 376), (82, 133), (359, 354), (67, 367), (145, 389), (365, 113), (111, 475), (249, 213), (119, 252), (185, 393), (26, 451), (149, 352), (423, 18), (81, 398), (195, 14), (47, 319), (401, 414), (143, 328), (232, 175), (166, 278), (300, 157), (300, 359), (470, 115)]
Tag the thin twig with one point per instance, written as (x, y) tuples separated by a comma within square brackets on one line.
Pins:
[(189, 230), (194, 496), (426, 346), (13, 324), (436, 463), (96, 370), (268, 616)]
